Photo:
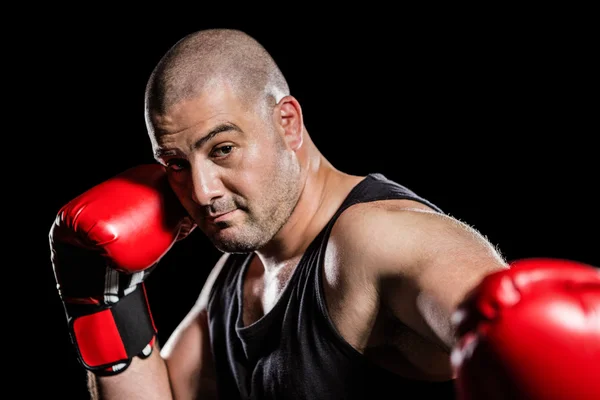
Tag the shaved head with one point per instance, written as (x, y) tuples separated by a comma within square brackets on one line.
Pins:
[(211, 57)]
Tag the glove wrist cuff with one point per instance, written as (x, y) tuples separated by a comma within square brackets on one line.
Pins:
[(107, 339)]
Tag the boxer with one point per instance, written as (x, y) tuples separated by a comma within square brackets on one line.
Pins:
[(330, 285)]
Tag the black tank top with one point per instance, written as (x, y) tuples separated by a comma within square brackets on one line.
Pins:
[(294, 351)]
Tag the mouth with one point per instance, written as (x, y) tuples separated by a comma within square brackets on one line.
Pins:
[(216, 218)]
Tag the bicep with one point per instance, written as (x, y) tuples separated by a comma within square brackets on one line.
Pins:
[(187, 352), (421, 262), (433, 265)]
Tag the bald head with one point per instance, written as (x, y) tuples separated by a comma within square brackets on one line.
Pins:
[(211, 57)]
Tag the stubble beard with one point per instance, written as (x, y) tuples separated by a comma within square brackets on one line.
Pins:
[(257, 230), (265, 220)]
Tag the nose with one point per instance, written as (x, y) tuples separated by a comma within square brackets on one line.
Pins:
[(206, 185)]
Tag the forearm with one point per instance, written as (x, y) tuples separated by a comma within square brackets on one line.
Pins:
[(144, 379)]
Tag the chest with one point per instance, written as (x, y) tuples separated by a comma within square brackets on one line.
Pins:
[(262, 290), (293, 351), (352, 307)]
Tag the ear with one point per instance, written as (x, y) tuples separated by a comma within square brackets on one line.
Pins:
[(288, 117)]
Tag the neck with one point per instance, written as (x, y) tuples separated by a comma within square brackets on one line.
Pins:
[(315, 207)]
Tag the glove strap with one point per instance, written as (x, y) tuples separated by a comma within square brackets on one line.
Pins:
[(107, 339)]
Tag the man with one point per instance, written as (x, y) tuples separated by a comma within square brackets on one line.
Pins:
[(331, 286)]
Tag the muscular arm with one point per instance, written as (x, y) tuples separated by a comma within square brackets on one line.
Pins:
[(420, 263), (182, 369), (442, 260)]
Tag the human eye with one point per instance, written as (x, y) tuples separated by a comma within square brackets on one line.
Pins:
[(176, 164), (222, 151)]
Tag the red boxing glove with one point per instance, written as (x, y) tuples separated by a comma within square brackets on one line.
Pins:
[(530, 332), (103, 245)]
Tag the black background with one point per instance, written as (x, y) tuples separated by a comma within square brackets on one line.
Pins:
[(490, 119)]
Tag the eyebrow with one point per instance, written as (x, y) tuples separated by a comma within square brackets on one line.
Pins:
[(224, 127)]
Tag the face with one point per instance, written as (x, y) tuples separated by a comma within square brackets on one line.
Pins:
[(234, 169)]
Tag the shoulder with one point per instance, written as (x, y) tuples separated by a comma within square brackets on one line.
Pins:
[(203, 298), (363, 223), (194, 321), (395, 235), (200, 306), (364, 233)]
